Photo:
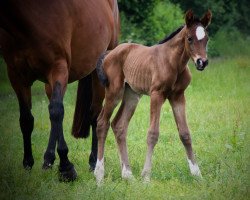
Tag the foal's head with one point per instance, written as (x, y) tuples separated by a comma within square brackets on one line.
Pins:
[(196, 38)]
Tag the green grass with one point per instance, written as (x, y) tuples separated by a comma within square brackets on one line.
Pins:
[(218, 113)]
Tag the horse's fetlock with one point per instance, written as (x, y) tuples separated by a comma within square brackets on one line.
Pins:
[(62, 152)]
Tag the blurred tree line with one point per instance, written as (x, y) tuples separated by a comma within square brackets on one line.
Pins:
[(148, 21)]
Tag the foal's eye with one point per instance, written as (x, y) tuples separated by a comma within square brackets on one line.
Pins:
[(190, 39)]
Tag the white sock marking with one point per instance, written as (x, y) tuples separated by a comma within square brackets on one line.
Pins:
[(99, 171), (194, 168), (126, 174), (200, 33)]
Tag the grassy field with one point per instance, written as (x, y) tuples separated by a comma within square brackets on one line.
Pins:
[(218, 112)]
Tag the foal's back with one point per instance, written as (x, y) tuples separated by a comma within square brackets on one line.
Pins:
[(136, 63)]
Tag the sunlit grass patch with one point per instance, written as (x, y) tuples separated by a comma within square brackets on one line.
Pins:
[(218, 112)]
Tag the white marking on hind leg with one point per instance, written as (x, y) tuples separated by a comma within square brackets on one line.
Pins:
[(99, 171), (126, 173), (194, 169), (146, 175)]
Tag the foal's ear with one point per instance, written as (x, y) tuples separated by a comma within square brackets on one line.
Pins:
[(206, 19), (189, 18)]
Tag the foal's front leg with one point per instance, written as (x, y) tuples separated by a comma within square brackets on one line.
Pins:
[(177, 102), (157, 100)]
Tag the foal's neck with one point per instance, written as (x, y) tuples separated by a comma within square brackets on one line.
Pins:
[(175, 52)]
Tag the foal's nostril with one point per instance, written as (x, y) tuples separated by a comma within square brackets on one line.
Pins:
[(199, 62), (205, 63)]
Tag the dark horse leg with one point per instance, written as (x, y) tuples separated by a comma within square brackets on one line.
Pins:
[(98, 93), (90, 95), (58, 85), (26, 119)]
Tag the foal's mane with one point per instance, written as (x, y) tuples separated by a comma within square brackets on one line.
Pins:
[(171, 35)]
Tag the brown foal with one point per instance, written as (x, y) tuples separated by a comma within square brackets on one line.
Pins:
[(160, 71)]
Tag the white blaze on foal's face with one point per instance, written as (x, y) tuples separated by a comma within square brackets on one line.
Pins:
[(200, 32)]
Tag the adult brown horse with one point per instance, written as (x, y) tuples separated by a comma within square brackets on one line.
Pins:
[(57, 42), (160, 71)]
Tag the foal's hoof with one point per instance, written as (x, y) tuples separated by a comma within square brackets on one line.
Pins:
[(28, 163), (146, 176), (68, 173)]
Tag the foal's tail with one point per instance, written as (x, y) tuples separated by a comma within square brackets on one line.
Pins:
[(100, 71), (82, 116)]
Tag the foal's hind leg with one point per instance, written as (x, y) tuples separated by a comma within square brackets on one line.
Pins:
[(178, 105), (156, 101), (120, 126), (113, 95), (26, 119)]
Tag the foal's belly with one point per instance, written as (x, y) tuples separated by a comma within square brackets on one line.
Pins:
[(140, 83)]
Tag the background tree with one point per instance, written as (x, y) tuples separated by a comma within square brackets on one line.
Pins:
[(226, 13), (148, 21)]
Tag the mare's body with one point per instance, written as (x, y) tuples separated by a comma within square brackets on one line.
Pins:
[(56, 42)]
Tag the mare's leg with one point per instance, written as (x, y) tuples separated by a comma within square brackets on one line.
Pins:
[(156, 101), (120, 126), (49, 156), (58, 79), (26, 119), (98, 93), (177, 102), (113, 95)]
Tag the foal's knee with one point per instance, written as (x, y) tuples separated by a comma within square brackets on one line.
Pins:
[(185, 138), (152, 138), (101, 129)]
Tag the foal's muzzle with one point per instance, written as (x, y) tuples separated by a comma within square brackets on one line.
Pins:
[(201, 64)]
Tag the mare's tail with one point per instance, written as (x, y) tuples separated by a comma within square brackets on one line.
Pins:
[(100, 72), (82, 116)]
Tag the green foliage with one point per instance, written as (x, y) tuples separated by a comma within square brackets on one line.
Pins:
[(233, 13), (164, 18), (136, 10), (229, 42)]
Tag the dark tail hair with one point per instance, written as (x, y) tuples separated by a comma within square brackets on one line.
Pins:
[(100, 72), (82, 116)]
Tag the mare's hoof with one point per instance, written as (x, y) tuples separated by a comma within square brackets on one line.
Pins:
[(92, 167), (49, 158), (28, 163), (67, 173), (47, 165)]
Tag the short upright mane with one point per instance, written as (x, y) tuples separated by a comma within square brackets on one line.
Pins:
[(171, 35)]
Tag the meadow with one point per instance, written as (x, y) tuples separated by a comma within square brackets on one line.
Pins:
[(218, 113)]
